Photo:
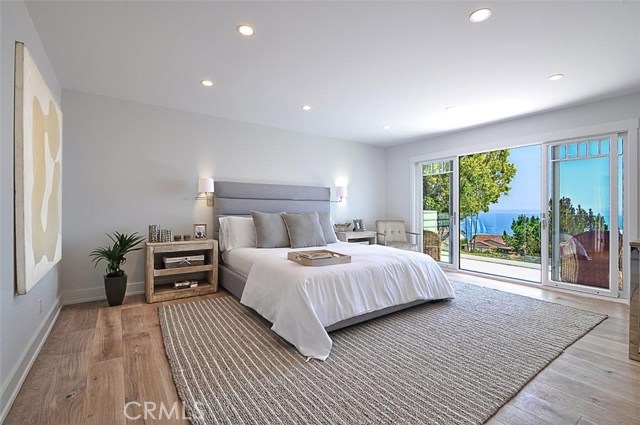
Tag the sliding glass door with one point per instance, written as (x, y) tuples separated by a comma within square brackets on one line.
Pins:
[(584, 236), (550, 213), (438, 212)]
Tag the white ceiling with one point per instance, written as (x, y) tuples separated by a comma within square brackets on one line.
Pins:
[(360, 65)]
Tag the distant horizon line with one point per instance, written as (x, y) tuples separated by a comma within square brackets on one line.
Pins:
[(512, 211)]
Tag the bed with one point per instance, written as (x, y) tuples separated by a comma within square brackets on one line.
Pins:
[(305, 303)]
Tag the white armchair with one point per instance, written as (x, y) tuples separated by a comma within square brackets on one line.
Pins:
[(394, 233)]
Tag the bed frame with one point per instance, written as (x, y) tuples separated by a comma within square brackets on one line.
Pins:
[(239, 199)]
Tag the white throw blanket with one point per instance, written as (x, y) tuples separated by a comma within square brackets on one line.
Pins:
[(301, 301)]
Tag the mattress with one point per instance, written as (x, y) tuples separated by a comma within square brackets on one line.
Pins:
[(241, 259)]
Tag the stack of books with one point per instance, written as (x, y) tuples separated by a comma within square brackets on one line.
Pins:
[(185, 284)]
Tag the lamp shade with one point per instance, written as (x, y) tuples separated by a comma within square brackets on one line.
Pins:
[(341, 191), (205, 185)]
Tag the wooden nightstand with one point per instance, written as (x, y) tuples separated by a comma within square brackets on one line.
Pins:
[(366, 237), (159, 280)]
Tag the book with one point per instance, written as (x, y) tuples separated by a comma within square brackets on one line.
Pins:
[(315, 255), (182, 284)]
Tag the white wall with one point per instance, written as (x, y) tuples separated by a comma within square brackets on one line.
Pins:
[(22, 329), (128, 165), (496, 136)]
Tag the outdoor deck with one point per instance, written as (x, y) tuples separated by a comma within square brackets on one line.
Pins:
[(495, 266)]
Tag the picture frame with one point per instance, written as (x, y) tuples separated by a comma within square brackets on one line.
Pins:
[(199, 231), (358, 225)]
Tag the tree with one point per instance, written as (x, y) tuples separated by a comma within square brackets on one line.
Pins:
[(574, 220), (526, 235), (435, 190), (484, 178)]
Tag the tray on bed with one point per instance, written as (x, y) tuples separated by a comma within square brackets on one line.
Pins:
[(320, 257)]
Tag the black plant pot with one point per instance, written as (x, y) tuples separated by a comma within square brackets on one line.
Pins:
[(115, 287)]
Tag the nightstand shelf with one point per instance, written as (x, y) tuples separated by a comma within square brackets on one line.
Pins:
[(182, 270), (366, 237), (159, 280)]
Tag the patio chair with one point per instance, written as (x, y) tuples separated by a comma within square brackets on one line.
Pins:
[(584, 258), (394, 233), (431, 244)]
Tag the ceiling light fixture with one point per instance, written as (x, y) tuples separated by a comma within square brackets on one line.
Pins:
[(386, 127), (206, 83), (556, 77), (306, 108), (480, 15), (246, 30)]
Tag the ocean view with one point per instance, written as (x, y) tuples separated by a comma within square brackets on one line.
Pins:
[(494, 223)]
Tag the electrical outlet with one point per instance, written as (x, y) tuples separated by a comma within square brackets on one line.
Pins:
[(39, 307)]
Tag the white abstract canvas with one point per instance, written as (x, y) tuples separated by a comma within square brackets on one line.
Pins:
[(38, 174)]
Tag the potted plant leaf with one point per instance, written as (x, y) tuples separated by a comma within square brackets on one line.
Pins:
[(115, 281)]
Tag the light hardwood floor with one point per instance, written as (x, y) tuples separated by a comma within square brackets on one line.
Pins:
[(97, 359)]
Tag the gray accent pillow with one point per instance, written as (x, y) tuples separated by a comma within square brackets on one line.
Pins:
[(271, 232), (304, 230), (327, 228)]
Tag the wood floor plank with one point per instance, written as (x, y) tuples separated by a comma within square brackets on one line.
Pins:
[(627, 385), (543, 409), (601, 395), (146, 366), (512, 415), (598, 357), (585, 421), (613, 329), (65, 397), (576, 406), (104, 400), (108, 337), (606, 344)]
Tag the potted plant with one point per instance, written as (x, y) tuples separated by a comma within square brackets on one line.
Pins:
[(115, 281)]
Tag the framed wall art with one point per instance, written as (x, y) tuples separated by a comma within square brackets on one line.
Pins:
[(38, 173)]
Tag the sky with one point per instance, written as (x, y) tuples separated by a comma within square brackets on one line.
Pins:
[(525, 186), (586, 182)]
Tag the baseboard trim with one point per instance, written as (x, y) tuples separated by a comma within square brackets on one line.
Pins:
[(97, 293), (20, 371)]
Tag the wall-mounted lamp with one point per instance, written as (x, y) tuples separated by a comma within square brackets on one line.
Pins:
[(341, 193), (205, 190)]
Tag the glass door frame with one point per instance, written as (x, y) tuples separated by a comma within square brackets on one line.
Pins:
[(612, 291), (454, 246)]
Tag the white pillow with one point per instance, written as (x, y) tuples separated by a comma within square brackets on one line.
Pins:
[(236, 232)]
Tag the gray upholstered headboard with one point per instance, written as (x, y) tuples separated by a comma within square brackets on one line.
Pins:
[(234, 198)]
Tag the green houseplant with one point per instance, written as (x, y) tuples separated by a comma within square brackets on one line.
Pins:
[(115, 281)]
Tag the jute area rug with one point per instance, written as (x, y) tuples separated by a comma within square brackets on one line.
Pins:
[(447, 362)]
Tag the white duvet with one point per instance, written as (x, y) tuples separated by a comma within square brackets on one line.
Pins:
[(301, 301)]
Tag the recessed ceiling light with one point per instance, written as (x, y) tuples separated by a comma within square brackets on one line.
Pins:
[(246, 30), (556, 77), (480, 15), (306, 108), (206, 83), (386, 127), (451, 108)]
